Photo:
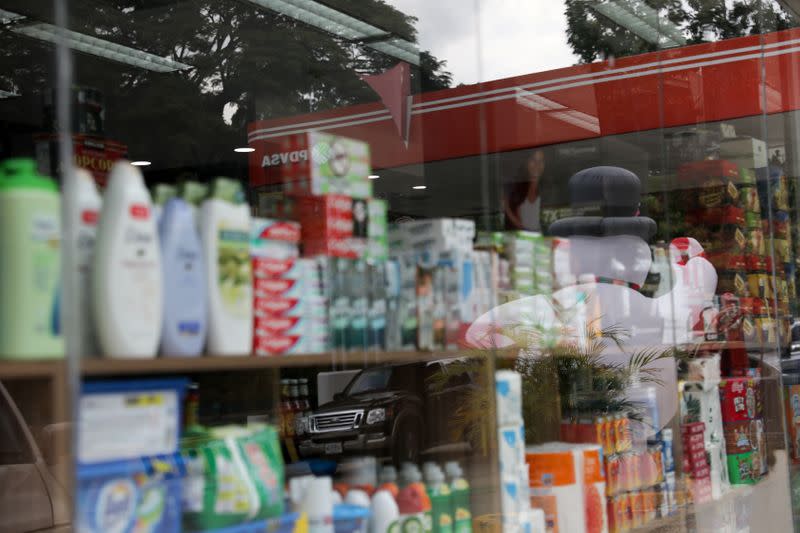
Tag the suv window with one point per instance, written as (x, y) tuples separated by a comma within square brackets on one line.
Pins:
[(14, 448), (373, 379)]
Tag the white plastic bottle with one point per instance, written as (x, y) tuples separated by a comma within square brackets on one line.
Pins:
[(80, 211), (383, 512), (225, 232), (185, 303), (127, 280)]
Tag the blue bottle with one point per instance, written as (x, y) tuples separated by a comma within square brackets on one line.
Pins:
[(185, 299)]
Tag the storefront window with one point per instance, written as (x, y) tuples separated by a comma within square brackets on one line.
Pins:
[(399, 265)]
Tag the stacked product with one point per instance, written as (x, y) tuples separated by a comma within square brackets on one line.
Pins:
[(774, 192), (638, 468), (726, 217), (695, 462), (514, 480), (436, 284), (567, 483), (743, 427), (123, 483), (287, 292), (525, 262), (700, 402)]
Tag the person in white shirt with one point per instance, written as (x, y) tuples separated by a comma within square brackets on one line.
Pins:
[(523, 203)]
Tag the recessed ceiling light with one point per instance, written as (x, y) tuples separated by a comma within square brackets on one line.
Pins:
[(244, 149), (141, 163), (419, 187), (373, 176)]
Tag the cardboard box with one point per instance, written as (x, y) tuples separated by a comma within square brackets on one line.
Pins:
[(741, 470), (426, 238), (264, 307), (739, 399), (278, 345), (792, 396), (332, 225), (313, 163), (743, 436), (744, 151)]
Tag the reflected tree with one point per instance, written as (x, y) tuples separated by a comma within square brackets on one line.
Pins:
[(247, 62), (598, 29)]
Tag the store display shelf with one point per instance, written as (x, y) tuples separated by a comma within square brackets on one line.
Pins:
[(45, 369), (168, 365), (669, 524)]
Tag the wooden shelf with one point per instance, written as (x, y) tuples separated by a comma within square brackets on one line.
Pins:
[(45, 369), (171, 365)]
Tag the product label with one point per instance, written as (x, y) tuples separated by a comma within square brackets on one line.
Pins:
[(116, 506), (106, 421), (139, 211), (234, 274), (45, 234)]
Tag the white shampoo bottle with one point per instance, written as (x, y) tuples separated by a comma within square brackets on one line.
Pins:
[(225, 232), (127, 278), (80, 211)]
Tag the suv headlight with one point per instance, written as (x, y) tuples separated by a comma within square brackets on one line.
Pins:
[(376, 415)]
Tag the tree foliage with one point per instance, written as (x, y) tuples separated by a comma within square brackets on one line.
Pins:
[(594, 36), (247, 62)]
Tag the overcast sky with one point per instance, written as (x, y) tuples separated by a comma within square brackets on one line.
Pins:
[(490, 39)]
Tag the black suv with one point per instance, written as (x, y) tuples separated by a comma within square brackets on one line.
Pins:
[(393, 410)]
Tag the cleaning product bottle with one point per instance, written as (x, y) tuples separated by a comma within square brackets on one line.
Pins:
[(30, 231), (318, 505), (441, 501), (185, 308), (81, 205), (383, 512), (459, 490), (225, 232), (387, 480), (412, 480), (413, 517), (127, 279)]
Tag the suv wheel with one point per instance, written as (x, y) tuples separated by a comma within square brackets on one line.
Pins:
[(406, 442)]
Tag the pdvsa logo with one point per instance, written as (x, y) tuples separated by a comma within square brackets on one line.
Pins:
[(284, 158)]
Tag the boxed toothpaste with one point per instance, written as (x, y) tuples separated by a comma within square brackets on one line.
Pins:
[(278, 306), (280, 326), (272, 238), (271, 345), (426, 238), (278, 288), (333, 225), (313, 163)]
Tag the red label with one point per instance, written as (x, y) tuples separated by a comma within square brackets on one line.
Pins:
[(139, 211), (274, 285), (282, 231), (274, 306), (89, 217), (275, 324), (274, 345), (271, 268)]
